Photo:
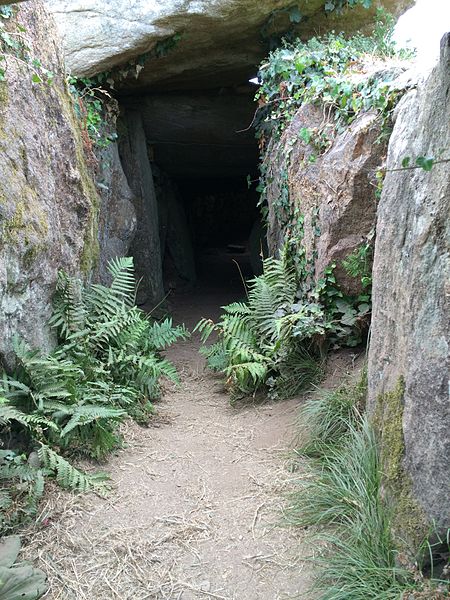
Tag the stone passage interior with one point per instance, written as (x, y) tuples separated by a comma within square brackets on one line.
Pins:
[(188, 154)]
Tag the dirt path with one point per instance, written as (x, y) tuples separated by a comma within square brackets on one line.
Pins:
[(196, 506)]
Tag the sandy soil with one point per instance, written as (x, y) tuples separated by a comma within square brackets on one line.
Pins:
[(197, 505)]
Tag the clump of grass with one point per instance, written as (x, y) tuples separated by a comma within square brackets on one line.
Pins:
[(326, 417), (340, 500)]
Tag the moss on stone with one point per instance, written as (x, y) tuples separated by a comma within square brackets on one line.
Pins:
[(409, 523), (28, 225), (91, 247)]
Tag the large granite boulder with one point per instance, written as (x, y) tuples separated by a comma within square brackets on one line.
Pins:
[(48, 200), (220, 39), (117, 216), (327, 198), (146, 247), (409, 354)]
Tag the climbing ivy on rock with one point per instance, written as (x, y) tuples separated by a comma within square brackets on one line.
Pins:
[(96, 110), (133, 67), (333, 71), (15, 47)]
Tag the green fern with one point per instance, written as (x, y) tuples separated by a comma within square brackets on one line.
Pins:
[(259, 340), (107, 367), (21, 488), (68, 476)]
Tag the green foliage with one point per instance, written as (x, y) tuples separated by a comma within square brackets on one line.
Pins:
[(293, 16), (339, 5), (326, 417), (348, 315), (134, 66), (266, 340), (359, 263), (15, 46), (18, 581), (21, 488), (326, 70), (339, 498), (334, 73), (95, 109), (107, 367), (276, 337)]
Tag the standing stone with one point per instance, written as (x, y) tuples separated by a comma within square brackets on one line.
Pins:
[(145, 248), (117, 218), (327, 198), (48, 200), (408, 358)]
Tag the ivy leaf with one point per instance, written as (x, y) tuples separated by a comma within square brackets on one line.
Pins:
[(425, 163), (305, 134), (406, 161), (35, 78), (7, 39)]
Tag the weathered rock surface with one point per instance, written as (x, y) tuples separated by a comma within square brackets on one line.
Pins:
[(145, 248), (117, 217), (220, 38), (410, 324), (198, 134), (48, 201), (331, 195)]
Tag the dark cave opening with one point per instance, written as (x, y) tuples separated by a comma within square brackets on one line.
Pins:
[(200, 152), (221, 214)]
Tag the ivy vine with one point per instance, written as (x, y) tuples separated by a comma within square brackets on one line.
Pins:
[(15, 46)]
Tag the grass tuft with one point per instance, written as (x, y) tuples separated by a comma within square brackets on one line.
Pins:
[(340, 499)]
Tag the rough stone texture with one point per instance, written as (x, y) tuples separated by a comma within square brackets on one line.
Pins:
[(196, 134), (335, 194), (117, 218), (145, 248), (48, 202), (410, 324), (219, 37)]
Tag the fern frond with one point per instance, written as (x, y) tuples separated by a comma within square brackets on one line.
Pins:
[(86, 414), (123, 281), (68, 476), (237, 308), (9, 413), (69, 312), (164, 334), (206, 327)]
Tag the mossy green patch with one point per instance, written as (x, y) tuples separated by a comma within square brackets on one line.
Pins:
[(409, 522), (4, 99), (28, 226), (91, 248)]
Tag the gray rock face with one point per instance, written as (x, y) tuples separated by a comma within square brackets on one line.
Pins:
[(117, 218), (146, 247), (331, 195), (196, 134), (47, 199), (220, 38), (410, 324)]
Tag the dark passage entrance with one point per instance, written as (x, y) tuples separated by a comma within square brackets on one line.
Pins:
[(200, 152)]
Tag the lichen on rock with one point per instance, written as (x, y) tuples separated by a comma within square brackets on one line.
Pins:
[(48, 200), (410, 326)]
